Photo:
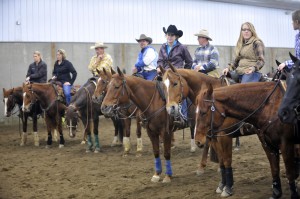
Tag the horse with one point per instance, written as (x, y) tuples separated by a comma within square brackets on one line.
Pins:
[(214, 114), (13, 97), (47, 95), (289, 110), (82, 106), (120, 91), (125, 113)]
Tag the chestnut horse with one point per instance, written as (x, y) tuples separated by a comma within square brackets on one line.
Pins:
[(82, 106), (120, 91), (289, 110), (47, 95), (256, 103), (124, 113), (13, 97)]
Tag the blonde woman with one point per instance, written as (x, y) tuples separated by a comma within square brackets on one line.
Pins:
[(37, 71), (249, 55), (62, 72)]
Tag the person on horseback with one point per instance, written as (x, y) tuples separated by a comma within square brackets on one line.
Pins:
[(206, 56), (100, 60), (249, 55), (147, 59), (61, 73), (296, 26), (176, 53), (37, 71)]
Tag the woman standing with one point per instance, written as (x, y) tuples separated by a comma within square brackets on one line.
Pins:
[(62, 72)]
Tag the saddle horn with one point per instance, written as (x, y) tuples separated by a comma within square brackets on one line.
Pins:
[(294, 59)]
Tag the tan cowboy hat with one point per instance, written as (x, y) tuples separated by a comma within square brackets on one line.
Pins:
[(98, 45), (144, 37), (203, 33)]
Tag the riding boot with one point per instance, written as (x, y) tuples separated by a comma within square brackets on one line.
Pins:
[(276, 188), (294, 191), (36, 139), (223, 180), (227, 191)]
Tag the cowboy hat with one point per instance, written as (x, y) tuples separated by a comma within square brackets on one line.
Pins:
[(203, 33), (144, 37), (98, 45), (172, 29)]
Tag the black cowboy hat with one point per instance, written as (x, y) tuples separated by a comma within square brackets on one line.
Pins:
[(172, 29)]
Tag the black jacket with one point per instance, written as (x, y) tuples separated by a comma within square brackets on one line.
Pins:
[(37, 73), (62, 72)]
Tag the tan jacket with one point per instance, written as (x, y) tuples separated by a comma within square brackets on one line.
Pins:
[(106, 63)]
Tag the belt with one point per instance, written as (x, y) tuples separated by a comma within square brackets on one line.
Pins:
[(148, 71)]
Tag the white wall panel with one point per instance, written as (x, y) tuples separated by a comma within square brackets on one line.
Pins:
[(121, 21)]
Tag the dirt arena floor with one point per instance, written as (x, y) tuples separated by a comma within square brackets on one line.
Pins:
[(31, 172)]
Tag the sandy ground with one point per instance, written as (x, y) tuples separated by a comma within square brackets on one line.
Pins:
[(35, 172)]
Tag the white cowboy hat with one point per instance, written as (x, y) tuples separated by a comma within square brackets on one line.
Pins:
[(98, 45), (203, 33)]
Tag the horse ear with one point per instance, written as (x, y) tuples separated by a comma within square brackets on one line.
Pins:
[(294, 59), (277, 62), (162, 69), (98, 71), (112, 71), (172, 67), (119, 71), (210, 89), (3, 90)]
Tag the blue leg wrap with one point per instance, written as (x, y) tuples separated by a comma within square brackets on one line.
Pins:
[(89, 141), (158, 168), (97, 141), (169, 168)]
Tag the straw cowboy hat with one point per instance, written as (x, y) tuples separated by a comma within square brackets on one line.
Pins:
[(172, 29), (144, 37), (98, 45), (203, 33)]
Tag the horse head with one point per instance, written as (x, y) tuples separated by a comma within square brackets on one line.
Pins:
[(208, 116), (72, 116), (289, 110), (29, 98), (9, 101), (175, 90), (117, 94), (101, 88)]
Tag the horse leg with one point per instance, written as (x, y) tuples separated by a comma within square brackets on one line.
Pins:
[(49, 130), (115, 141), (157, 162), (61, 136), (96, 134), (167, 154), (203, 161), (126, 138), (287, 151), (193, 144), (237, 144), (35, 133), (139, 146), (24, 134), (120, 130)]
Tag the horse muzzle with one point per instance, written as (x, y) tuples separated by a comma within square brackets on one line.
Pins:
[(173, 110), (107, 110), (97, 100), (26, 108)]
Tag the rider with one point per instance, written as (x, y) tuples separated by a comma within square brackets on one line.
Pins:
[(100, 60), (61, 73), (206, 56), (249, 55), (147, 59), (179, 56), (37, 71)]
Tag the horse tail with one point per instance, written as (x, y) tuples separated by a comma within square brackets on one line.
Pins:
[(213, 155)]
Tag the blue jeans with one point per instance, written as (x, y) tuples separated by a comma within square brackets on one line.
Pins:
[(67, 92), (149, 75), (252, 77), (184, 107)]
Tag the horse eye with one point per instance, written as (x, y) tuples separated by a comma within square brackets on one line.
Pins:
[(175, 84), (202, 113), (117, 87)]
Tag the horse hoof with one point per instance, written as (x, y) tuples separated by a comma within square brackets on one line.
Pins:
[(36, 144), (61, 146), (82, 142), (166, 179), (88, 151), (155, 178), (22, 144), (125, 154), (226, 192), (193, 149), (236, 148), (138, 154), (47, 146), (220, 188), (97, 150), (173, 147), (200, 172)]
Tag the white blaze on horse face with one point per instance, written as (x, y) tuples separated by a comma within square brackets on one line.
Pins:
[(98, 82), (23, 106), (5, 106), (196, 120), (167, 84)]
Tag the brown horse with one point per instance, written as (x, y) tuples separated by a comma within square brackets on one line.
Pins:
[(46, 94), (256, 103), (13, 97), (124, 113), (120, 91)]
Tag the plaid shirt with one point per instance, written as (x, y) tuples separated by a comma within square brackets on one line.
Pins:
[(289, 63), (106, 62), (206, 56)]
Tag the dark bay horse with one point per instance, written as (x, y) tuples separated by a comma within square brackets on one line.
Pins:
[(47, 95), (289, 110), (120, 91), (124, 113), (82, 107), (256, 103), (13, 97)]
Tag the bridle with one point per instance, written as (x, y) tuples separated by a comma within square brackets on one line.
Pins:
[(103, 93), (213, 133), (11, 98)]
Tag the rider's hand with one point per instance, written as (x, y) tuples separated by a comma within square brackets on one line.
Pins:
[(67, 83), (27, 79), (225, 71), (158, 70), (134, 70), (281, 66)]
